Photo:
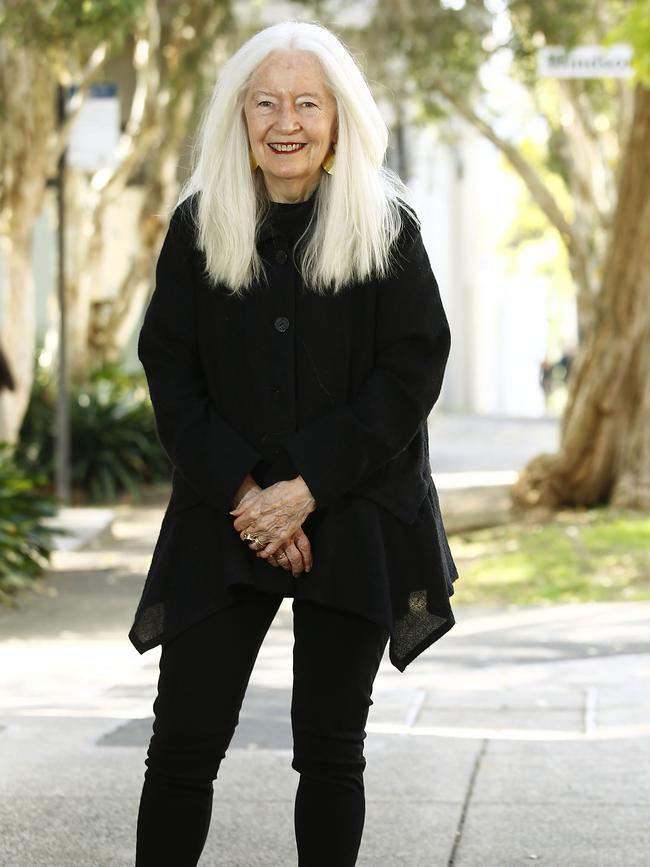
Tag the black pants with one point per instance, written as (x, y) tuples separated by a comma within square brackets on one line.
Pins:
[(204, 673)]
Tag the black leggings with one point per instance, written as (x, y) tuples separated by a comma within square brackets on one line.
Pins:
[(204, 673)]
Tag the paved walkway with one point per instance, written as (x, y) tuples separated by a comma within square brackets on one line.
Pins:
[(522, 736), (475, 459)]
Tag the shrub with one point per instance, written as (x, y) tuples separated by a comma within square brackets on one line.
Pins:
[(113, 443), (25, 540)]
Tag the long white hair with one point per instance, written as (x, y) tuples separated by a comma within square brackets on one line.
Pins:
[(357, 211)]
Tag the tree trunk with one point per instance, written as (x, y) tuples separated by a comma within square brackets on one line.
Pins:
[(18, 333), (26, 126), (112, 321), (604, 453), (155, 133), (83, 244)]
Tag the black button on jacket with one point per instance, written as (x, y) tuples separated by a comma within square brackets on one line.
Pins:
[(283, 382)]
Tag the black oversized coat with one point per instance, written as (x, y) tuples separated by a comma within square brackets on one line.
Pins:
[(284, 381)]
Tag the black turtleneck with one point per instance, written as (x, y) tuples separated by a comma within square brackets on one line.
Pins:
[(291, 217)]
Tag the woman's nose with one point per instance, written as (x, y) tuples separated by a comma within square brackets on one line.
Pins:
[(287, 119)]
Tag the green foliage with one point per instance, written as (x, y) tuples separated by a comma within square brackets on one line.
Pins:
[(25, 540), (35, 448), (114, 446), (65, 25), (563, 22), (635, 29)]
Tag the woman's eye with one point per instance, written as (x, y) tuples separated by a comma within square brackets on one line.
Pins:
[(265, 102), (308, 104)]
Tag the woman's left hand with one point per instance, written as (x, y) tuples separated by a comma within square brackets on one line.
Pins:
[(275, 514), (295, 557)]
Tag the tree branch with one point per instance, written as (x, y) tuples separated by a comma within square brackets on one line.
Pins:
[(529, 175), (61, 135), (138, 132), (596, 183)]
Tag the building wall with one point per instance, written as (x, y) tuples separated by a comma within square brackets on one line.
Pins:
[(466, 200)]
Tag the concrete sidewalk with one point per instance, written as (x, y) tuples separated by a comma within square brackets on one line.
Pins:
[(522, 735)]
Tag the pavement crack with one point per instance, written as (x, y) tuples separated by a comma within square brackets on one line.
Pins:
[(415, 708), (468, 797)]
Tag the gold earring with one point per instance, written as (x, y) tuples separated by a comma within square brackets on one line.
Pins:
[(328, 162), (251, 159)]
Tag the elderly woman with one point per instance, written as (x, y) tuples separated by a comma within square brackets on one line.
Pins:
[(294, 346)]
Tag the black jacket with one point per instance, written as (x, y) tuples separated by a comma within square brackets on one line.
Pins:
[(285, 381)]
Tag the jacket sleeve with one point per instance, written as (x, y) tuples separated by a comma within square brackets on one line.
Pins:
[(341, 449), (206, 451)]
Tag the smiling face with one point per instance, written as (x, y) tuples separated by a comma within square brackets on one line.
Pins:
[(292, 123)]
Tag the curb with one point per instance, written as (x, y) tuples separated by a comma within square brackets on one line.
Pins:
[(84, 527)]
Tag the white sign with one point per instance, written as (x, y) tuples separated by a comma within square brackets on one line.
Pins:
[(585, 61), (96, 129)]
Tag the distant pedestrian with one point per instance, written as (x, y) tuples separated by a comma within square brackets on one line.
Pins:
[(546, 376), (294, 346), (565, 362)]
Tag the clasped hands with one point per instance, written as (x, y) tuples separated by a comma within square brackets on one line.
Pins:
[(276, 514)]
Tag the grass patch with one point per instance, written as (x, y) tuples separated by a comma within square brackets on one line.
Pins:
[(596, 555)]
